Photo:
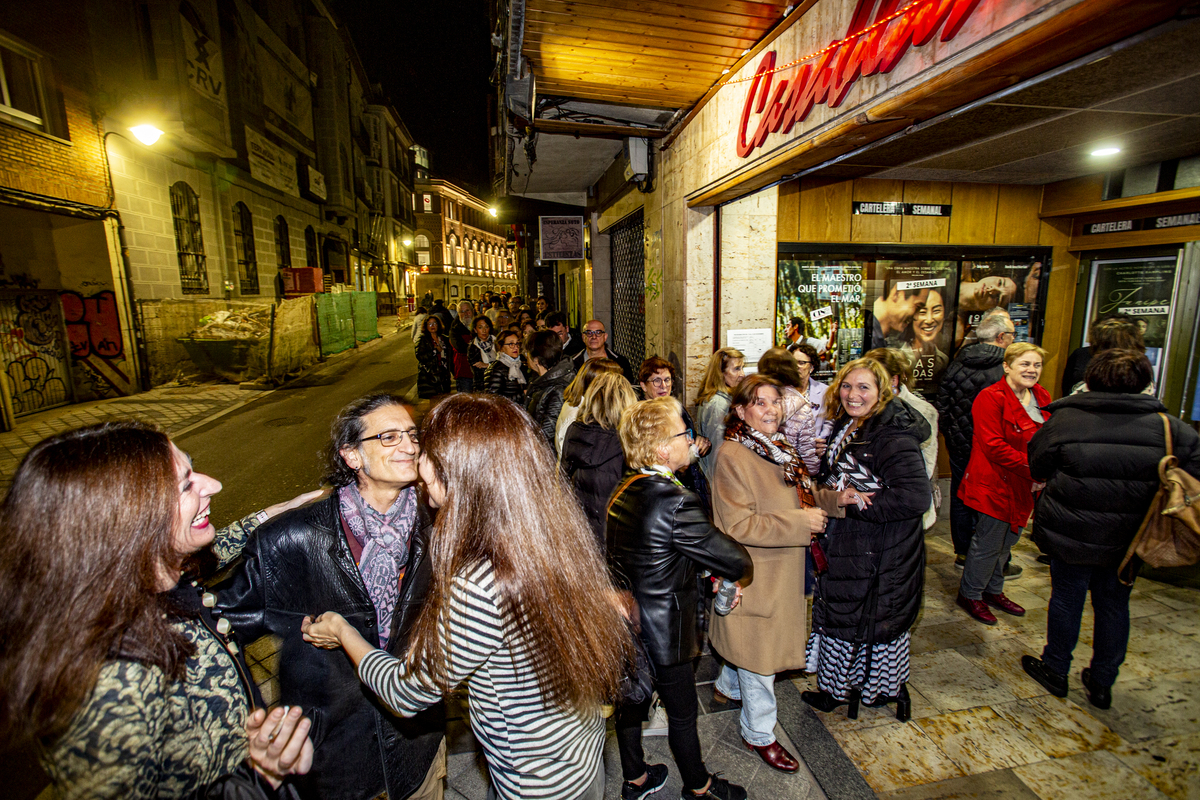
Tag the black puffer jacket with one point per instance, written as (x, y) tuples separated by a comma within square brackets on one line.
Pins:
[(974, 369), (433, 368), (544, 398), (300, 563), (496, 381), (593, 462), (872, 590), (1098, 455), (658, 538)]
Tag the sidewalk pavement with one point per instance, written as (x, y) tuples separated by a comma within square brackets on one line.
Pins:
[(177, 408)]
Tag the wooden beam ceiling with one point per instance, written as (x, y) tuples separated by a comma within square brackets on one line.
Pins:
[(641, 52)]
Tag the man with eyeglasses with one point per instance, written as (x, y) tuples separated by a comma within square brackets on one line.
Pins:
[(363, 552), (974, 368), (595, 345)]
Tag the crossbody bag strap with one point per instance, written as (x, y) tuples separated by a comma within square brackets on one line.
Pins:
[(624, 485), (1167, 433)]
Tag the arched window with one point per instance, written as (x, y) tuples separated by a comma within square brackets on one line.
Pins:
[(453, 255), (421, 241), (189, 240), (283, 245), (243, 245), (310, 247)]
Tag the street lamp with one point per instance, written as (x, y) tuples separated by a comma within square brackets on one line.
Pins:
[(146, 134), (493, 211)]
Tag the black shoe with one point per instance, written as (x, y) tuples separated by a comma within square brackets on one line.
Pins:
[(656, 778), (1011, 570), (1099, 696), (1037, 669), (902, 700), (960, 561), (822, 700), (718, 789), (1043, 559)]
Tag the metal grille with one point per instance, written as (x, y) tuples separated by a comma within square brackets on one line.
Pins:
[(189, 239), (243, 242), (283, 243), (628, 288)]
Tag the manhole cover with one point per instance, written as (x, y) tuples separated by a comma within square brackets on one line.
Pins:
[(283, 422)]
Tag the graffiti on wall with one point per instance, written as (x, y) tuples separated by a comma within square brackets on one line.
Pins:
[(97, 348), (32, 351)]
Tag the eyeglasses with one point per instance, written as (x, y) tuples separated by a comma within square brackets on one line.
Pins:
[(393, 438), (660, 382), (687, 433), (593, 334), (803, 363)]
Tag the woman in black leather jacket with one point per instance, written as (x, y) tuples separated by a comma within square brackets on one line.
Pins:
[(506, 375), (658, 537), (434, 359)]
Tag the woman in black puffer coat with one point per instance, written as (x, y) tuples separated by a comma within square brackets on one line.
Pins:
[(592, 458), (867, 600), (1098, 456), (434, 359), (507, 376)]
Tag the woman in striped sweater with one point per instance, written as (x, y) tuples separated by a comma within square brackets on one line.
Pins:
[(510, 566)]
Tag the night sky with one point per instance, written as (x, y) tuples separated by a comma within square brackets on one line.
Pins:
[(434, 58)]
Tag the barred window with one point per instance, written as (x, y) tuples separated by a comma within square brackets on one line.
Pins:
[(283, 246), (189, 239), (310, 247), (243, 243)]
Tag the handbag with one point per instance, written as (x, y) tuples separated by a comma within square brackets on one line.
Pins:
[(1170, 533)]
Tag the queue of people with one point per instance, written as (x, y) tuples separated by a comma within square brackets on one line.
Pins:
[(421, 567)]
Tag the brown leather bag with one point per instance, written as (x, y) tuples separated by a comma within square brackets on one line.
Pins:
[(1170, 533)]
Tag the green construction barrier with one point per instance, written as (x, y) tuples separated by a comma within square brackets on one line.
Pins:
[(335, 322), (366, 317)]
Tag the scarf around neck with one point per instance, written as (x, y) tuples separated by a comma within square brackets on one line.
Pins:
[(514, 367), (487, 349), (384, 539), (844, 469), (776, 450)]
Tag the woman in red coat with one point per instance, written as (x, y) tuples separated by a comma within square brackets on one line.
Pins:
[(997, 483)]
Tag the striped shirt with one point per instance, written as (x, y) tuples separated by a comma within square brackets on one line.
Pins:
[(533, 750)]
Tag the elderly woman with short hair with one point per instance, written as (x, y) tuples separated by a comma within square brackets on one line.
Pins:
[(659, 537)]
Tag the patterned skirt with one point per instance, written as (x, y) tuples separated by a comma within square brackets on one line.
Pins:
[(838, 666)]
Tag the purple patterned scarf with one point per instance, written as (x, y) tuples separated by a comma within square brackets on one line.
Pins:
[(384, 540)]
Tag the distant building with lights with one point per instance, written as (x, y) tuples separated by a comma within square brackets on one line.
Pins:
[(460, 249)]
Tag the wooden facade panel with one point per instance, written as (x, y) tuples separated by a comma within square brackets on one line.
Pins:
[(1017, 214), (750, 15), (824, 210), (1108, 241), (872, 227), (642, 26), (787, 225), (1074, 193), (973, 218), (926, 230), (561, 37), (1060, 300)]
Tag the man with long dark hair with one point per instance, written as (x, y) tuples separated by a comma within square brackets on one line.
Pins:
[(363, 552)]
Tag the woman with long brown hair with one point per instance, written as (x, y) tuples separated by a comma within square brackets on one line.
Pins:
[(518, 608), (110, 662), (725, 371)]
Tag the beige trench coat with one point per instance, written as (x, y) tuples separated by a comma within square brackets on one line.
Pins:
[(766, 633)]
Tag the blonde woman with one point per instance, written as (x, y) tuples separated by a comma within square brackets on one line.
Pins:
[(725, 371), (573, 395), (592, 459)]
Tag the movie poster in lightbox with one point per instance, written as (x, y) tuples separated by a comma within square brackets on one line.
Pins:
[(1014, 285), (828, 297), (921, 294)]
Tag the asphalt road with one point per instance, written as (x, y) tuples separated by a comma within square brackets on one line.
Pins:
[(269, 450)]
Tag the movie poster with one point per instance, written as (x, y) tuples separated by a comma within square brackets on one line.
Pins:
[(1014, 285), (1141, 288), (911, 315), (827, 298)]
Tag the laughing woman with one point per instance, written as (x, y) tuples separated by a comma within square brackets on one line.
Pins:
[(510, 568)]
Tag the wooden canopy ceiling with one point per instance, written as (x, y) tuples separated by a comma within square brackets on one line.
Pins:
[(656, 53)]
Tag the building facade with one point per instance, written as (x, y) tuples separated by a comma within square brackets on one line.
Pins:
[(460, 249)]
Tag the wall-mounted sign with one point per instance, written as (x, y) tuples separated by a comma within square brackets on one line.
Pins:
[(893, 208), (203, 56), (427, 203), (752, 342), (562, 237), (314, 183), (1143, 224), (271, 164), (870, 47)]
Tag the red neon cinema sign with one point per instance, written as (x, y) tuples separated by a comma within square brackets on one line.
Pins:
[(873, 45)]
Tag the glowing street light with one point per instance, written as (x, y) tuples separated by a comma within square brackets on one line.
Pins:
[(493, 211), (146, 134), (408, 242), (1106, 151)]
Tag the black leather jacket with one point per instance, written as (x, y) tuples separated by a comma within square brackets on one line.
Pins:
[(300, 563), (544, 397), (658, 538)]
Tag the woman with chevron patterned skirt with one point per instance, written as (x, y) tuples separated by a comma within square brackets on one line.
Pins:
[(868, 595)]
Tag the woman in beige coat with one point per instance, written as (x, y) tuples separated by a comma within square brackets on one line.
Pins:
[(763, 499)]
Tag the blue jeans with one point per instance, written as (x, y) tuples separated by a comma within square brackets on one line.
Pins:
[(962, 519), (757, 693), (1069, 585), (984, 570)]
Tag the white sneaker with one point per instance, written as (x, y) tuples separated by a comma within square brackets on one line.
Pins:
[(657, 724)]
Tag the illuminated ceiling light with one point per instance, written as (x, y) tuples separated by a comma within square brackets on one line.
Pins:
[(1106, 151), (146, 134)]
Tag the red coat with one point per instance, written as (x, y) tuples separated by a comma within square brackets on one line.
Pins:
[(997, 481)]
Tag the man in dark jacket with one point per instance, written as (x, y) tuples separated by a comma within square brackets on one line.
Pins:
[(544, 397), (572, 342), (363, 553), (1098, 455), (973, 369), (595, 342)]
